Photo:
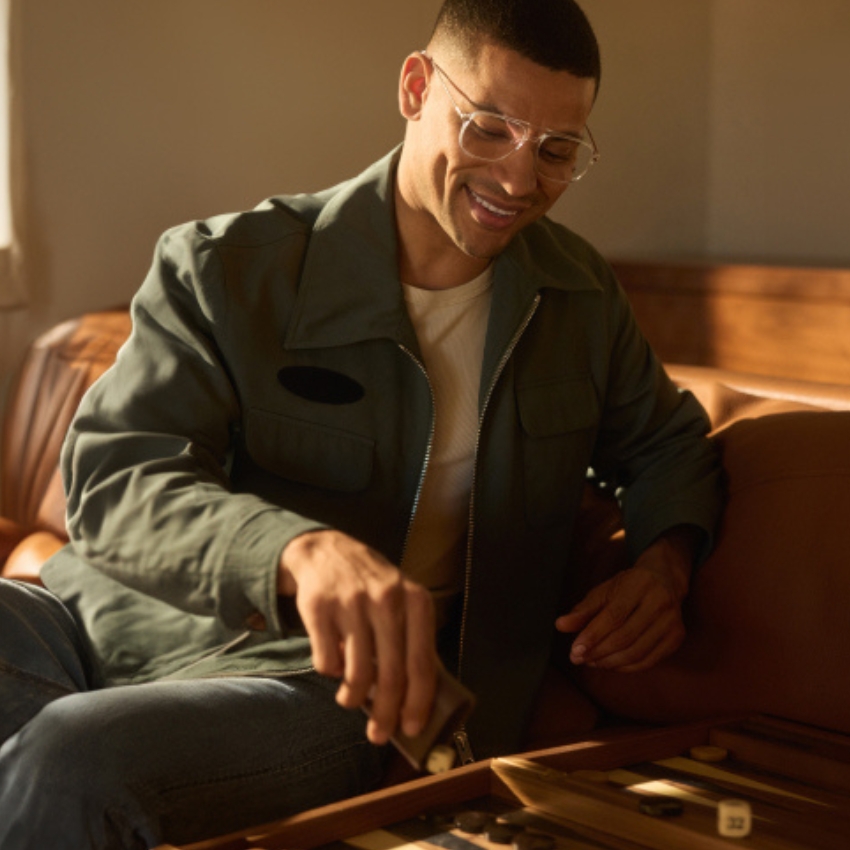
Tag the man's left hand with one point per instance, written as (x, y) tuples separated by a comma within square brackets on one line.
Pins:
[(634, 620)]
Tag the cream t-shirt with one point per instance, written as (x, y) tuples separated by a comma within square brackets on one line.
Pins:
[(451, 325)]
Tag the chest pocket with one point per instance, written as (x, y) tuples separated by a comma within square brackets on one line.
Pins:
[(559, 420), (308, 453)]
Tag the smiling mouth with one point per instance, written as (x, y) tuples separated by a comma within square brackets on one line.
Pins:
[(491, 207)]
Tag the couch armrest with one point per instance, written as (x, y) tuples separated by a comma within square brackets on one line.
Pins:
[(11, 533), (767, 619), (25, 560)]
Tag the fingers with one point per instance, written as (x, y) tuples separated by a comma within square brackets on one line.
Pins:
[(644, 640), (406, 666), (591, 618), (358, 664), (667, 645), (612, 626), (628, 623), (326, 639), (385, 674), (369, 627), (421, 662)]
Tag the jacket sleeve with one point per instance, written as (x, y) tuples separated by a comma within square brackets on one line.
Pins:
[(652, 445), (145, 463)]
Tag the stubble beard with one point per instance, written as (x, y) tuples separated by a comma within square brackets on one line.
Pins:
[(473, 239)]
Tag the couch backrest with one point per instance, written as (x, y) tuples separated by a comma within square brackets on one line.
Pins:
[(729, 396), (59, 367), (759, 319)]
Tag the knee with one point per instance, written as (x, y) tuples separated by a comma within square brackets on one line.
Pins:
[(64, 745), (20, 596), (38, 635), (60, 787), (77, 748), (64, 784)]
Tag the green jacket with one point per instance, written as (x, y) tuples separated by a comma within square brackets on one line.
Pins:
[(273, 384)]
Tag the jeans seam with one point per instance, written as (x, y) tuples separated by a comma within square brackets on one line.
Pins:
[(16, 672)]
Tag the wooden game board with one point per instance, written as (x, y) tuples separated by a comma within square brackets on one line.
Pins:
[(796, 780)]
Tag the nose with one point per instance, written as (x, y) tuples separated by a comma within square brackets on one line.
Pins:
[(517, 173)]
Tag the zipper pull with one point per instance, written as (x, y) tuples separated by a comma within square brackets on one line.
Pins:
[(463, 747)]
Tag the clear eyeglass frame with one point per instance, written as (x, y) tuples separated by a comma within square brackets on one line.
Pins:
[(519, 133)]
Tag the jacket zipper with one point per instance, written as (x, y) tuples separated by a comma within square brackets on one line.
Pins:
[(461, 737)]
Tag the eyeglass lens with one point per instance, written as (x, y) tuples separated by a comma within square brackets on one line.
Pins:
[(493, 137)]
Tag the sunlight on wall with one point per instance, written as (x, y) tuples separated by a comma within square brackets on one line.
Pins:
[(5, 208)]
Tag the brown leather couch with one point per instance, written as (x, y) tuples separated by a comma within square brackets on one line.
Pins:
[(57, 369), (767, 615), (769, 629)]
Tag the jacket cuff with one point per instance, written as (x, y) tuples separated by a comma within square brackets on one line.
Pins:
[(640, 535), (248, 581)]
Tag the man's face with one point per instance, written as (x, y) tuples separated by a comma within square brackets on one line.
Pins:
[(467, 204)]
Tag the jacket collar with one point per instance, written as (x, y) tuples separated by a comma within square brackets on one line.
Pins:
[(350, 291)]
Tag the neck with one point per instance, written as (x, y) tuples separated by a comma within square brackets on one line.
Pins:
[(427, 258)]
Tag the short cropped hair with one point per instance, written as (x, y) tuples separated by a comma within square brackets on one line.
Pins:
[(553, 33)]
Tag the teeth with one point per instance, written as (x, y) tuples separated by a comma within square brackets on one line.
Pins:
[(489, 206)]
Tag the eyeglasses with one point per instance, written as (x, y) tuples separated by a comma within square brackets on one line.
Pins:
[(492, 137)]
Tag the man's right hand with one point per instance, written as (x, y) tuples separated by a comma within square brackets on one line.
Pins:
[(368, 625)]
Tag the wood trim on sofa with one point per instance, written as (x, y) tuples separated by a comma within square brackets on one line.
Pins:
[(766, 320)]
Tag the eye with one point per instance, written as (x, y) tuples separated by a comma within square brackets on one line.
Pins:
[(490, 127), (559, 151)]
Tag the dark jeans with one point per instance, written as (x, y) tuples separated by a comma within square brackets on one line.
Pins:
[(175, 761)]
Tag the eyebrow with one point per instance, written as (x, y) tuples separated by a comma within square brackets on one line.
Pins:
[(491, 107), (486, 107), (567, 134)]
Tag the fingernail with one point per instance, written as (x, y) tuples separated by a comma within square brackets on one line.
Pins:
[(375, 734)]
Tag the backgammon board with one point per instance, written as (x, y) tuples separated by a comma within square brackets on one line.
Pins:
[(650, 788)]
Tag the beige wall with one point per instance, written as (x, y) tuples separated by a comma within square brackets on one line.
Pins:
[(139, 116), (724, 126), (648, 195), (779, 186)]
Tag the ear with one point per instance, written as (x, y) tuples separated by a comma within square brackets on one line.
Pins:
[(413, 86)]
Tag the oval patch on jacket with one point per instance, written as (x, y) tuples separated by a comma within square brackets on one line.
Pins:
[(322, 385)]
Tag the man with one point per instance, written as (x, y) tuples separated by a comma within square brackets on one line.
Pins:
[(346, 443)]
